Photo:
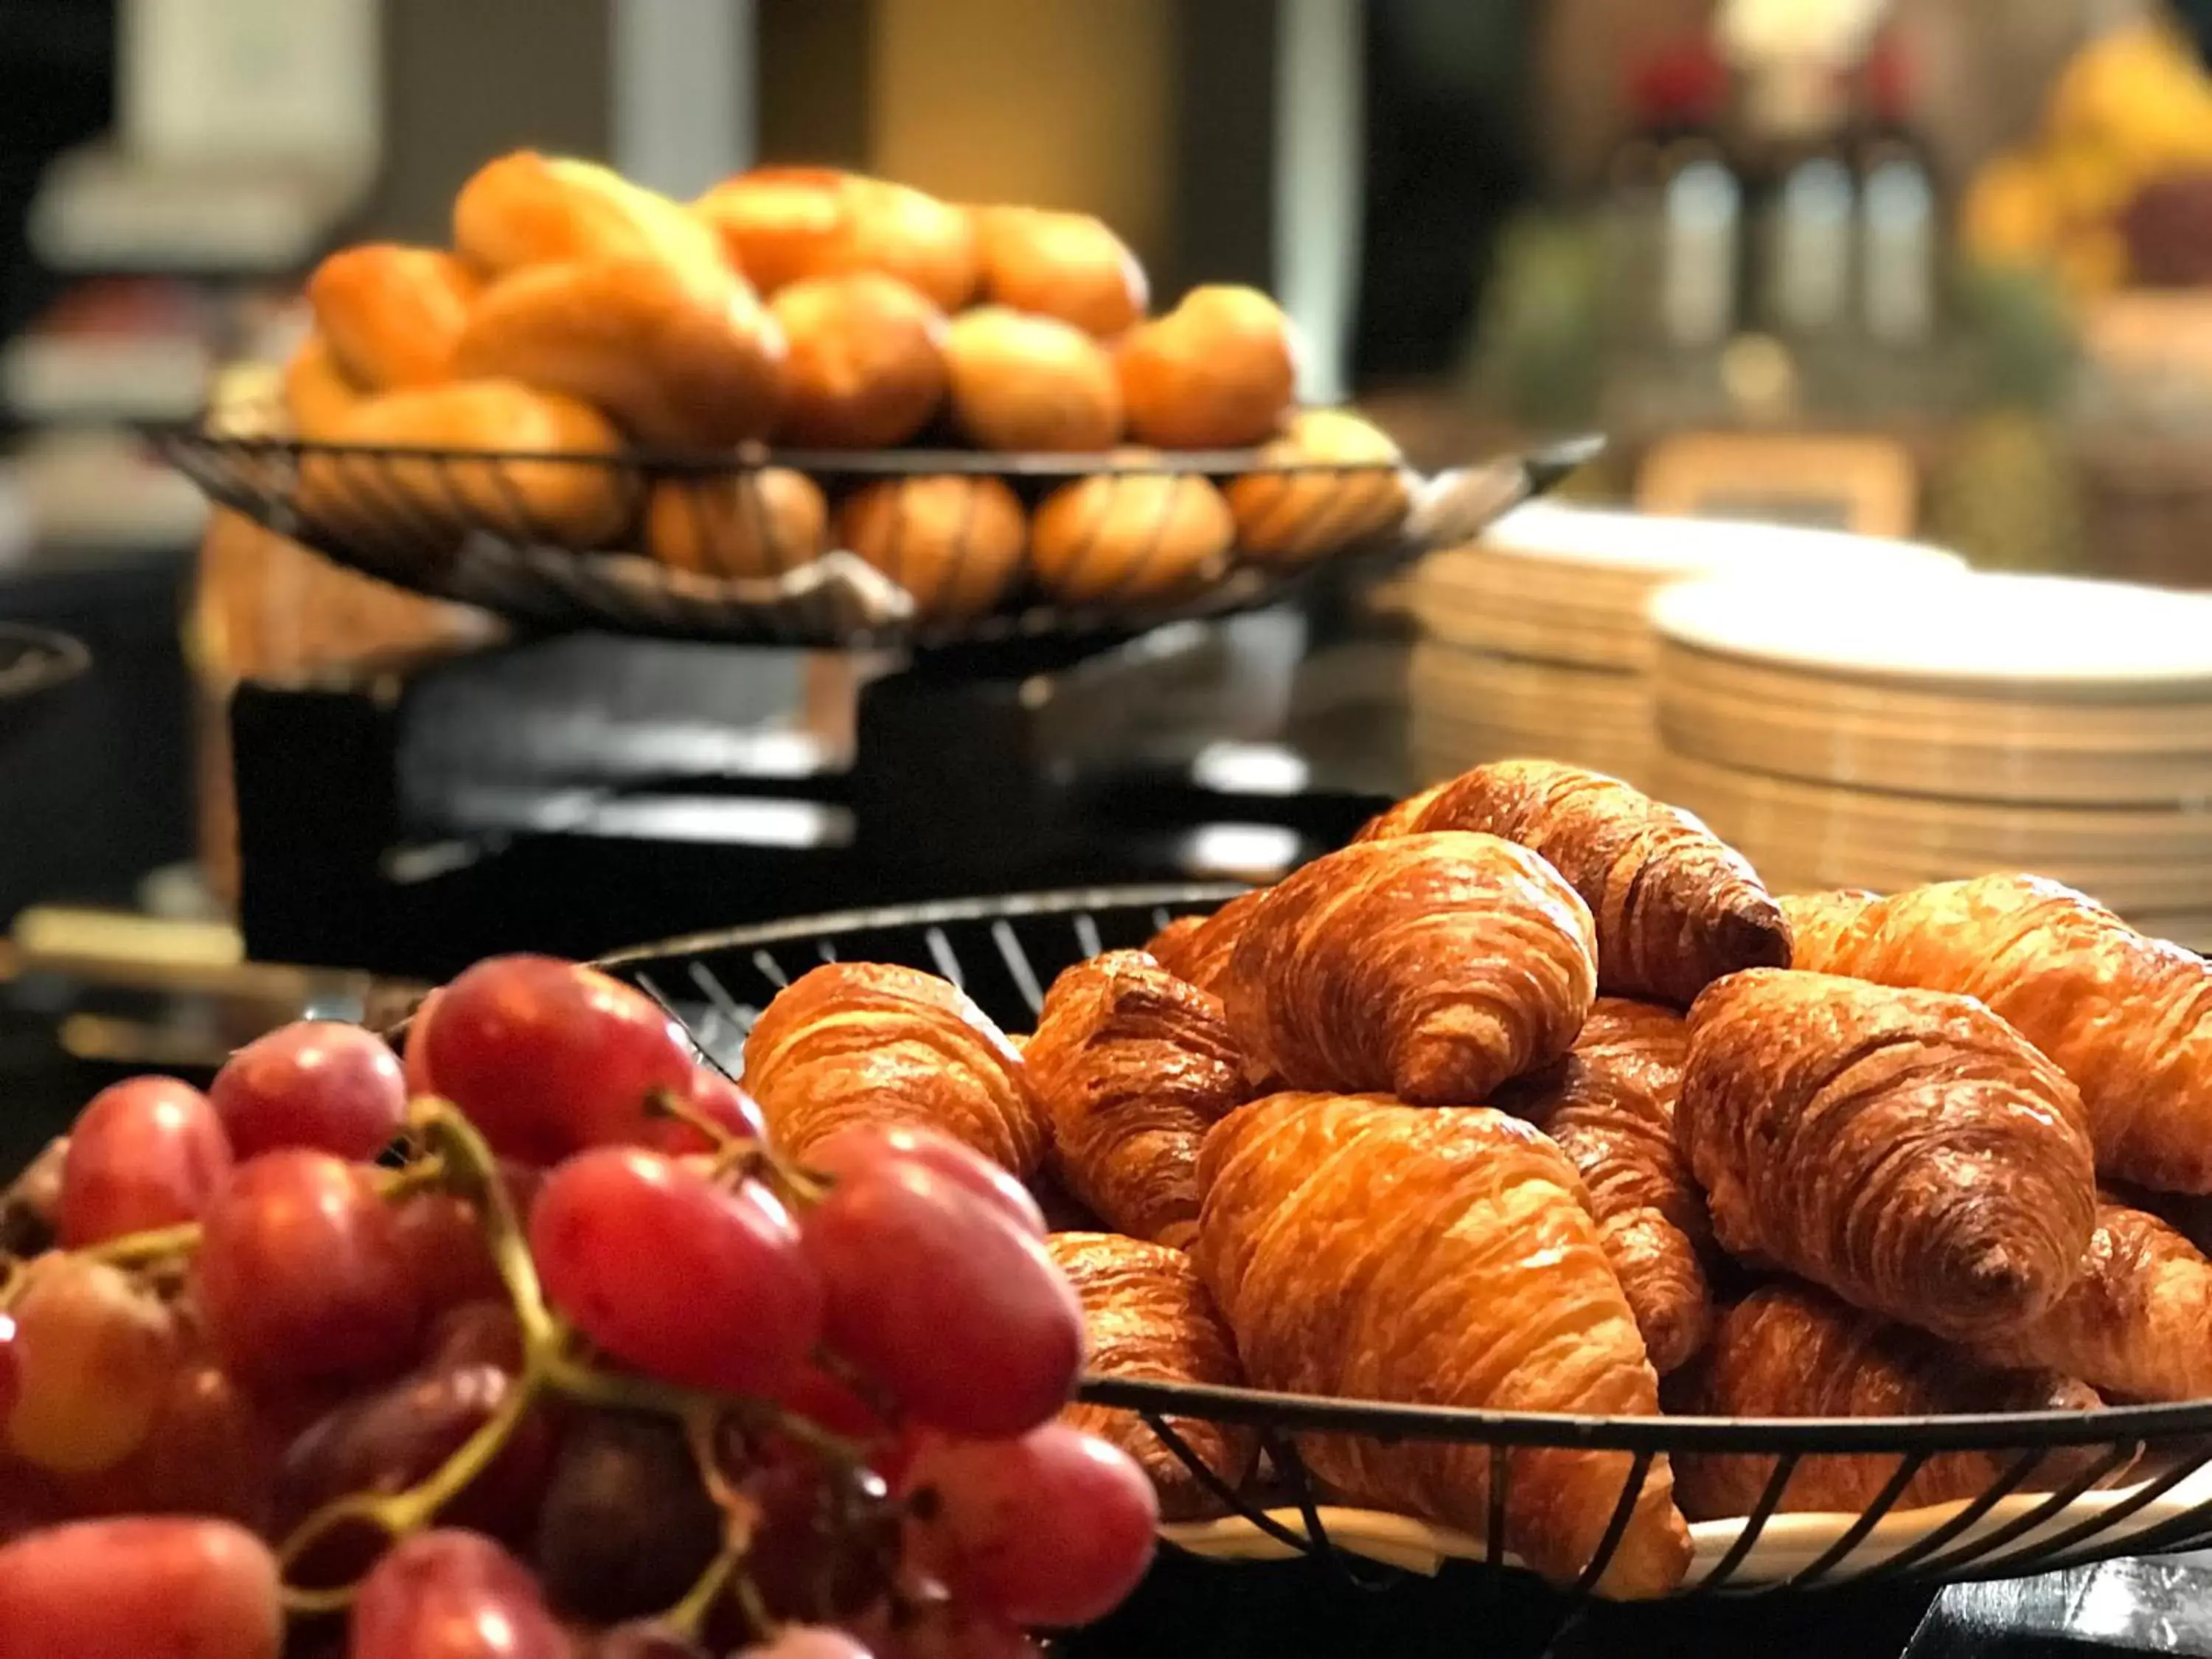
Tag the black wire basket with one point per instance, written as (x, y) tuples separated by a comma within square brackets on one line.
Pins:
[(558, 541), (2066, 1488), (35, 662)]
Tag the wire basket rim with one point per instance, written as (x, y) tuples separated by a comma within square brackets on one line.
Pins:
[(51, 658)]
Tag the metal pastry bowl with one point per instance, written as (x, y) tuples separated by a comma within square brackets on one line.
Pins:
[(2143, 1485)]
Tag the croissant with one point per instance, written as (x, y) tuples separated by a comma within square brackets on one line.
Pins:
[(2137, 1322), (2129, 1019), (1196, 949), (1791, 1350), (1610, 1106), (1432, 967), (1145, 1314), (1675, 906), (1132, 1066), (862, 1043), (1906, 1149), (1366, 1250), (1819, 922)]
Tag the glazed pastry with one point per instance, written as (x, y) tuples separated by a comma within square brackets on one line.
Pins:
[(783, 224), (1819, 922), (865, 367), (685, 359), (1030, 383), (952, 540), (392, 315), (526, 208), (1132, 1066), (1145, 1314), (1128, 538), (1675, 906), (1792, 1350), (2137, 1323), (1196, 949), (1067, 265), (2129, 1019), (1432, 967), (1218, 372), (1369, 1251), (756, 523), (1906, 1149), (872, 1043), (1610, 1106), (318, 395), (1290, 518)]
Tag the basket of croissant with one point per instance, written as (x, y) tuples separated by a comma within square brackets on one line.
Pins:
[(808, 407), (1524, 1183)]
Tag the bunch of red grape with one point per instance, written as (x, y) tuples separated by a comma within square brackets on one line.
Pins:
[(532, 1348)]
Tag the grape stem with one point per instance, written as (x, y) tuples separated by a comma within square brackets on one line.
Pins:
[(161, 1244)]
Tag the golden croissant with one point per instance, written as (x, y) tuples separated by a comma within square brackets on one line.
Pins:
[(2129, 1019), (1432, 967), (1675, 906), (1610, 1106), (1132, 1066), (872, 1043), (1369, 1250), (1145, 1315), (1792, 1350), (1196, 949), (1906, 1149)]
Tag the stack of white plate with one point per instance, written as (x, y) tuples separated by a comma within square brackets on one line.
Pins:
[(1535, 639), (1988, 723)]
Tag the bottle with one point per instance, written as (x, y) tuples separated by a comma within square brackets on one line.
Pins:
[(1900, 219), (1800, 199), (1673, 208)]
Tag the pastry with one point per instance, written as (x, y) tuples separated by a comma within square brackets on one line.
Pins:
[(1819, 921), (870, 1042), (2137, 1323), (318, 395), (1433, 966), (1290, 518), (1145, 1315), (392, 315), (1906, 1149), (1130, 537), (760, 522), (680, 358), (1610, 1106), (1196, 949), (952, 540), (1218, 372), (2129, 1019), (1132, 1066), (1792, 1350), (866, 363), (1067, 265), (1675, 906), (380, 497), (1369, 1250), (783, 224), (527, 208), (1030, 383)]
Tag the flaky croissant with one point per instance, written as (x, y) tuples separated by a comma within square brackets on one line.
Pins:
[(1366, 1250), (2137, 1323), (2129, 1019), (872, 1043), (1145, 1314), (1675, 906), (1433, 966), (1196, 949), (1610, 1106), (1819, 922), (1906, 1149), (1792, 1350), (1132, 1065)]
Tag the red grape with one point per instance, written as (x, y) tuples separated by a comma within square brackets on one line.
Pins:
[(453, 1594), (644, 1638), (444, 1245), (94, 1356), (675, 1275), (316, 1083), (946, 1631), (806, 1641), (148, 1152), (30, 1209), (828, 1544), (627, 1523), (133, 1587), (722, 1102), (933, 1293), (210, 1452), (299, 1275), (550, 1057), (8, 1381), (1053, 1528), (484, 1333), (853, 1152), (416, 1056)]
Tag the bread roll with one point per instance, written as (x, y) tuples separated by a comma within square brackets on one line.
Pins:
[(386, 498), (1030, 383), (318, 394), (675, 356), (783, 224), (1218, 372), (750, 524), (526, 208), (1130, 536), (952, 541), (1288, 517), (392, 315), (1067, 265), (865, 368)]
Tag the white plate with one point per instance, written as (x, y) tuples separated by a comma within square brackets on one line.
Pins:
[(1559, 532)]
